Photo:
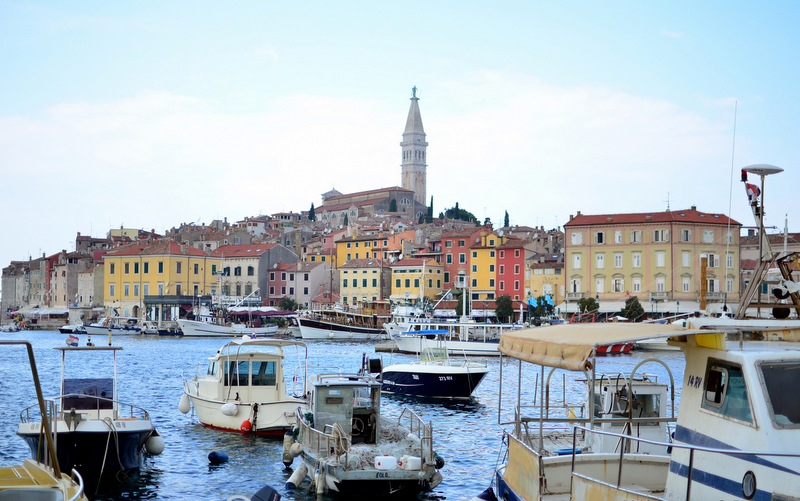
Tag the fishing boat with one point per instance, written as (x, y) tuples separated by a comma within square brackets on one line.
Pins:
[(243, 389), (436, 375), (72, 329), (214, 326), (40, 480), (96, 433), (348, 447), (734, 437), (364, 322)]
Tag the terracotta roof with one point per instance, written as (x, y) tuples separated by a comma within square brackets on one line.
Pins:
[(364, 263), (157, 248), (690, 216), (411, 261), (774, 238), (242, 250), (369, 192)]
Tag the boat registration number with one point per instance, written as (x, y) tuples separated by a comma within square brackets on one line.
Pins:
[(445, 378), (695, 381), (381, 474), (119, 424)]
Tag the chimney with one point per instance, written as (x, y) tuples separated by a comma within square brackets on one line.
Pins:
[(694, 207), (751, 232)]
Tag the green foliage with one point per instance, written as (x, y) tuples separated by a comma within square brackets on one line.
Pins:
[(633, 309), (460, 214), (287, 304), (429, 217), (506, 221), (457, 297), (504, 307), (393, 205), (346, 220), (588, 304), (312, 216), (421, 219)]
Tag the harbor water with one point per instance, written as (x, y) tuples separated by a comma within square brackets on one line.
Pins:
[(466, 433)]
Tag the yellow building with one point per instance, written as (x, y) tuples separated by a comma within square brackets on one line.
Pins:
[(483, 266), (415, 278), (546, 276), (654, 256), (362, 280), (160, 268)]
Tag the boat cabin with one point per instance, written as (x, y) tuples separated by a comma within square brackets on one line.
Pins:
[(245, 375), (351, 402)]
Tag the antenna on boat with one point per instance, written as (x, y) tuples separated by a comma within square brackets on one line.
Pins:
[(730, 199)]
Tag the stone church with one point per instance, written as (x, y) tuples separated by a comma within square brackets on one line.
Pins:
[(408, 199)]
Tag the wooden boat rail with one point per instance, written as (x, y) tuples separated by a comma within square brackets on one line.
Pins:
[(692, 449)]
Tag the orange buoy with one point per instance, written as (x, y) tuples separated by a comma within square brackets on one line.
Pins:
[(246, 425)]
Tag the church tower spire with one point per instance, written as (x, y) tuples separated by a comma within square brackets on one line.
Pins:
[(414, 149)]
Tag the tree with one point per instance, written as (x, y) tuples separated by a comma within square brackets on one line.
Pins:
[(430, 212), (312, 216), (588, 304), (393, 205), (505, 221), (457, 295), (504, 307), (421, 219), (460, 214), (287, 304), (346, 221), (633, 309)]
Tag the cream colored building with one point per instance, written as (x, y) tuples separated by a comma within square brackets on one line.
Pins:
[(655, 256)]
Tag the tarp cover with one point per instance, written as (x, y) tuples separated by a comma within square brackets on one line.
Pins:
[(570, 346)]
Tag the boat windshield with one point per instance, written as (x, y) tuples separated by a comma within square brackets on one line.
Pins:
[(780, 379)]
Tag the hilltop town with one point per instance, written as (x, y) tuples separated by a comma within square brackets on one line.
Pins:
[(386, 244)]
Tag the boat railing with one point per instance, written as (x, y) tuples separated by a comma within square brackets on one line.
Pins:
[(101, 406), (79, 480), (296, 377), (324, 445), (423, 431), (623, 438)]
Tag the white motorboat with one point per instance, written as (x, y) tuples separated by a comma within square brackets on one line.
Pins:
[(114, 325), (436, 374), (347, 447), (96, 433), (211, 326), (243, 388), (40, 479), (735, 397), (477, 342)]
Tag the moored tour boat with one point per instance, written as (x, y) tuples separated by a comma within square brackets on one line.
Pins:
[(243, 388), (116, 325), (211, 326), (96, 433), (358, 323)]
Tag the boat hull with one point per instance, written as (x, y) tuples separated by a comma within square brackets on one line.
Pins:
[(193, 328), (319, 329), (97, 330), (439, 381), (416, 344), (93, 448), (271, 418)]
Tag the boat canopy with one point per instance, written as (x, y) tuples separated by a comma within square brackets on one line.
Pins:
[(571, 346)]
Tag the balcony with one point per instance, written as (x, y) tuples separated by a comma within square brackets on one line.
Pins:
[(574, 296), (715, 297), (659, 296)]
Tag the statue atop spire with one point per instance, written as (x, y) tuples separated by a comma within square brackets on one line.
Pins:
[(413, 91)]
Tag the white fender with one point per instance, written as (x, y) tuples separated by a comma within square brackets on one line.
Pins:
[(230, 409), (297, 477), (184, 405), (155, 444)]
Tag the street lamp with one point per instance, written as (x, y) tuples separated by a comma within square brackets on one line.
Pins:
[(678, 307), (597, 301)]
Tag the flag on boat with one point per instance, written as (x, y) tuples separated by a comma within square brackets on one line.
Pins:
[(752, 191)]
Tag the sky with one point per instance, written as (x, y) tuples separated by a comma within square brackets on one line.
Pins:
[(155, 113)]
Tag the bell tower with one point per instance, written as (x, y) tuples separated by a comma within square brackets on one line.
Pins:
[(414, 150)]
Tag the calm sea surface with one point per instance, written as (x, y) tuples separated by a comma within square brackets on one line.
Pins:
[(466, 434)]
